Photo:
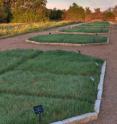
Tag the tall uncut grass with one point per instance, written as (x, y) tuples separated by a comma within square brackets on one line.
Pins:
[(18, 28)]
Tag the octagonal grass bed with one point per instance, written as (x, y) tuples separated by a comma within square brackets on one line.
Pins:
[(68, 39), (65, 83), (94, 27)]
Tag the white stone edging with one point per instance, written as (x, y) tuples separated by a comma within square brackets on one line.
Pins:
[(100, 89), (85, 33), (66, 44), (89, 116)]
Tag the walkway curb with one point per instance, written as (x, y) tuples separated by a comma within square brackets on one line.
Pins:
[(60, 32), (67, 44)]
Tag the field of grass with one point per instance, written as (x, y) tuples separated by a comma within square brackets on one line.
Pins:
[(88, 29), (12, 29), (60, 81), (69, 38), (94, 27), (97, 24)]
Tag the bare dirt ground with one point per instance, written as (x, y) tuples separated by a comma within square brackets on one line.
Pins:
[(108, 52)]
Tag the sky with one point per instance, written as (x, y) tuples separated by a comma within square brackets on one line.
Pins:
[(64, 4)]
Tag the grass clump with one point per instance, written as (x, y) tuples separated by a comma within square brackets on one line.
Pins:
[(69, 38), (88, 29), (94, 27), (60, 81), (97, 24), (18, 109)]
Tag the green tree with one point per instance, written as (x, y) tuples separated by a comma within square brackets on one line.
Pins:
[(23, 10), (88, 14), (115, 11), (5, 11), (97, 14), (56, 14), (75, 13), (108, 15), (29, 10)]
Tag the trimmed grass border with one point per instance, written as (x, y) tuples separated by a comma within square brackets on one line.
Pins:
[(94, 115), (81, 33), (67, 44)]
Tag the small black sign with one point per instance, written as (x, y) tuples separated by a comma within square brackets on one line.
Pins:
[(38, 109)]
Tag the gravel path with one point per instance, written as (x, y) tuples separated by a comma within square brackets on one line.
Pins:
[(108, 113)]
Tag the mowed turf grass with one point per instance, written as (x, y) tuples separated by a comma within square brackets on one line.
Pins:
[(97, 24), (69, 38), (94, 27), (65, 83)]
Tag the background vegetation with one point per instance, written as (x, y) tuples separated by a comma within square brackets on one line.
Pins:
[(12, 29), (35, 11)]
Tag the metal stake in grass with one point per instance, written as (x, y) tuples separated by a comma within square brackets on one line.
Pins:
[(94, 39), (96, 34), (101, 29), (79, 51), (92, 78), (39, 111), (97, 64)]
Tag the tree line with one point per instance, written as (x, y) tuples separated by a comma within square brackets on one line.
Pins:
[(23, 10), (36, 10)]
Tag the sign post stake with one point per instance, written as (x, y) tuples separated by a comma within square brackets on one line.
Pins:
[(39, 111)]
